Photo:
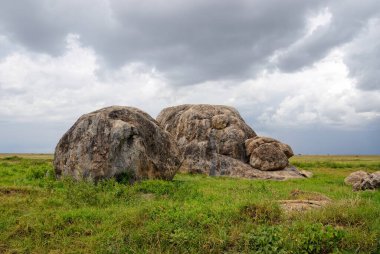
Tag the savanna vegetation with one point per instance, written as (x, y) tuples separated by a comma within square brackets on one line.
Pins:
[(191, 214)]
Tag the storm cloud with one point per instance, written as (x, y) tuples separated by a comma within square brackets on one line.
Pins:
[(190, 41), (292, 64)]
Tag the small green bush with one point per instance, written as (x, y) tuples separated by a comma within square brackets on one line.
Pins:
[(317, 238), (12, 158), (265, 239), (36, 173)]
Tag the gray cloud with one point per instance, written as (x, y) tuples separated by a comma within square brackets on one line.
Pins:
[(350, 22), (59, 59), (189, 41), (195, 41), (362, 56)]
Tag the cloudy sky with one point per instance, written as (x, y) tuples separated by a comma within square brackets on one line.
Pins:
[(305, 72)]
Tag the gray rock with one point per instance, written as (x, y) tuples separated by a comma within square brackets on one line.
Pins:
[(212, 139), (206, 132), (116, 141), (307, 174), (361, 180), (355, 177), (370, 182), (268, 153)]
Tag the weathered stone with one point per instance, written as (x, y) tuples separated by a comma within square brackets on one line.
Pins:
[(268, 157), (302, 205), (253, 143), (298, 194), (290, 172), (370, 182), (267, 153), (213, 138), (303, 200), (361, 180), (206, 133), (355, 177), (285, 148), (307, 174), (116, 141)]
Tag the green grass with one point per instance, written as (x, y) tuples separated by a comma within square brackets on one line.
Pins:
[(191, 214)]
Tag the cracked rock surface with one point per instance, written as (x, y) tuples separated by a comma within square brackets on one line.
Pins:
[(211, 137), (361, 180), (268, 153), (116, 141), (215, 140), (123, 142)]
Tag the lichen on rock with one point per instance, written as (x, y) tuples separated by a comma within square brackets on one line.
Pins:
[(113, 141), (215, 140)]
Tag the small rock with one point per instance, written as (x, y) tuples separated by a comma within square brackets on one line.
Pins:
[(370, 182), (268, 153), (361, 180), (355, 177), (307, 174)]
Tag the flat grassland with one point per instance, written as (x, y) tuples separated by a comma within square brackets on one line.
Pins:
[(191, 214)]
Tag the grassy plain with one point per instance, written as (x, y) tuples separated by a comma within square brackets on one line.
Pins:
[(191, 214)]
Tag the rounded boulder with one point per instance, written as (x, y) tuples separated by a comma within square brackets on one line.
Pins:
[(268, 153), (117, 141)]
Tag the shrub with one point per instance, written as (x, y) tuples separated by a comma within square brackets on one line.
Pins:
[(265, 239), (316, 238), (40, 173), (12, 158)]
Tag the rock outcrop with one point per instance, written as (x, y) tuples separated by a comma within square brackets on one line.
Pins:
[(209, 136), (116, 141), (215, 140), (210, 139), (361, 180)]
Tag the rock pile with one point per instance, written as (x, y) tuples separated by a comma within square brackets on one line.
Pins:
[(215, 140), (209, 139), (361, 180)]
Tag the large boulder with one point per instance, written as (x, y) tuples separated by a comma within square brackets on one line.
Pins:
[(215, 140), (268, 153), (116, 141), (204, 133)]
